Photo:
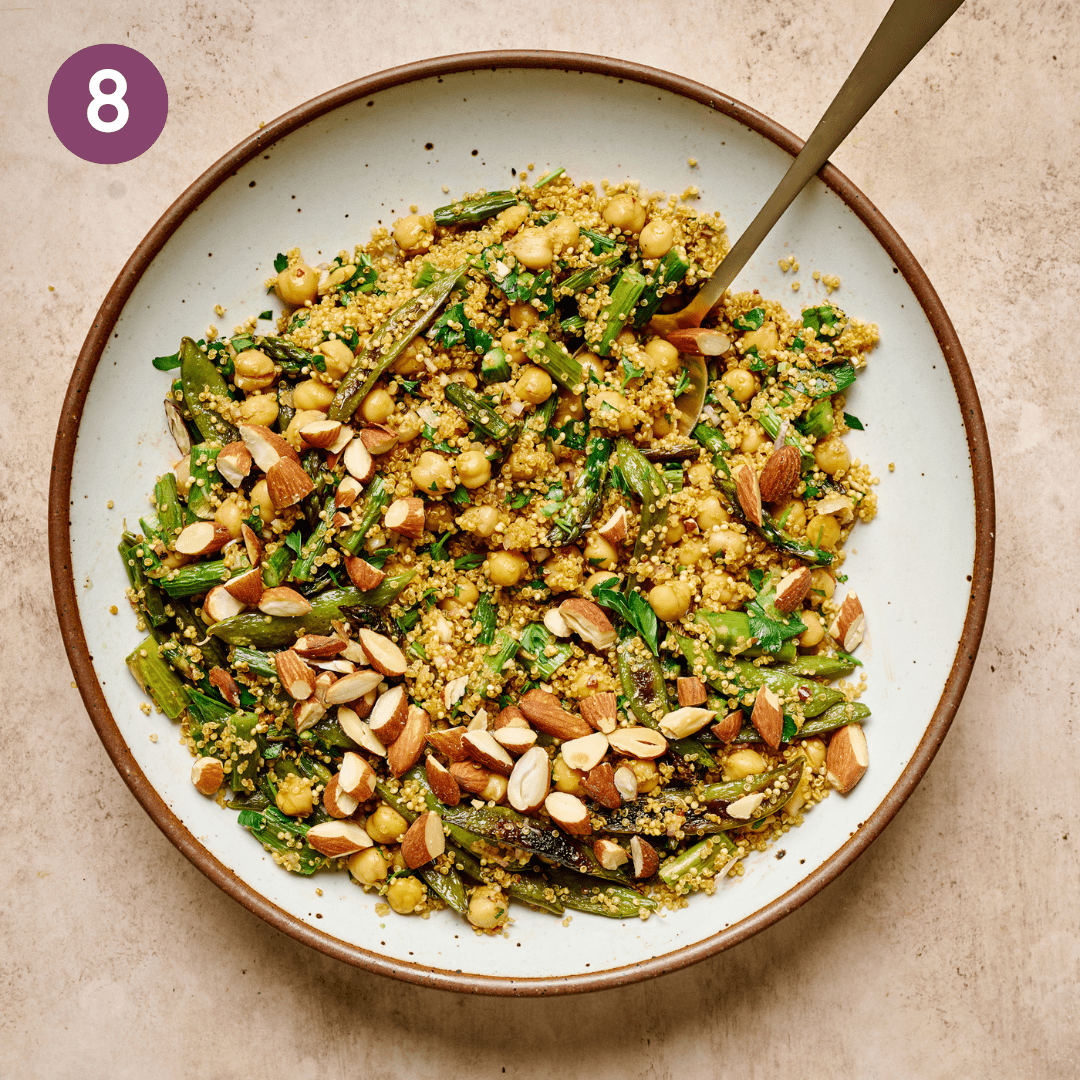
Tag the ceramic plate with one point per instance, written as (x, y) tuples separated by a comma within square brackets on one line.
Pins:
[(320, 177)]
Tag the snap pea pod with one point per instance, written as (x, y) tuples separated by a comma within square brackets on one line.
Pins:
[(198, 577), (204, 475), (276, 566), (585, 496), (146, 592), (198, 376), (157, 678), (260, 663), (651, 489), (664, 279), (464, 838), (619, 308), (528, 888), (477, 411), (477, 209), (836, 716), (613, 901), (693, 750), (556, 361), (704, 858), (267, 632), (315, 545), (267, 827), (376, 498), (642, 680), (389, 341), (829, 667), (729, 631)]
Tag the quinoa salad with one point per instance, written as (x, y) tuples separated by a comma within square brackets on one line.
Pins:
[(447, 592)]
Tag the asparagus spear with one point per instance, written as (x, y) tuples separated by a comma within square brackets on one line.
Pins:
[(204, 475), (376, 498), (304, 567), (198, 577), (276, 566), (701, 860), (167, 502), (668, 274), (585, 496), (644, 481), (291, 357), (477, 209), (477, 411), (253, 660), (244, 751), (620, 308), (201, 381), (147, 593), (591, 275), (157, 678), (556, 361), (494, 368)]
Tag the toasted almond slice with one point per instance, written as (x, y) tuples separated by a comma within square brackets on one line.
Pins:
[(601, 711), (178, 428), (768, 717), (318, 646), (791, 589), (390, 714), (234, 463), (359, 462), (614, 529), (226, 684), (511, 716), (442, 783), (354, 652), (406, 517), (849, 626), (453, 692), (297, 679), (569, 813), (479, 721), (626, 783), (726, 730), (781, 473), (424, 842), (585, 752), (287, 483), (359, 731), (384, 655), (599, 785), (743, 809), (352, 687), (749, 494), (530, 781), (609, 854), (364, 705), (589, 622), (321, 433), (220, 604), (362, 574), (556, 624), (685, 721), (378, 439), (266, 447), (338, 803), (281, 600), (252, 544), (348, 491), (323, 681), (482, 747), (472, 777), (339, 667), (338, 838), (356, 777), (345, 433), (202, 538), (246, 587), (306, 714), (691, 691), (543, 711), (639, 742), (207, 774), (406, 749), (700, 340), (450, 743), (847, 758), (646, 861), (516, 740)]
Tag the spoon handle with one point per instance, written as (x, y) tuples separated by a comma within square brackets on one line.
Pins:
[(907, 27)]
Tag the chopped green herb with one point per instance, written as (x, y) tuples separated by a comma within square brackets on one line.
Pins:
[(630, 371), (266, 314), (280, 262), (519, 499), (751, 320), (853, 422), (167, 363), (634, 609), (293, 542)]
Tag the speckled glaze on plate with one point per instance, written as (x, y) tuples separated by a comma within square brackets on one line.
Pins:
[(320, 177)]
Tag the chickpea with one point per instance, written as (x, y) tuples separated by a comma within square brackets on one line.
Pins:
[(403, 894), (700, 475), (339, 357), (754, 440), (625, 212), (662, 426), (656, 239), (744, 763), (711, 513), (467, 593), (385, 825), (183, 475), (259, 409), (598, 578), (294, 796), (253, 370), (795, 521), (570, 407), (564, 569), (815, 629), (513, 345), (691, 550), (564, 232), (730, 542), (831, 456), (814, 749), (261, 501), (765, 338), (607, 400), (298, 285), (473, 469), (664, 356), (397, 861), (506, 568), (513, 217), (599, 552), (230, 514), (532, 248), (377, 407), (647, 773), (626, 337), (465, 377), (438, 517), (312, 395), (566, 779), (822, 586), (480, 520), (534, 385), (487, 907), (411, 360), (823, 531), (410, 426), (743, 384), (523, 316), (433, 474), (413, 233), (369, 866), (668, 603), (675, 532), (593, 368)]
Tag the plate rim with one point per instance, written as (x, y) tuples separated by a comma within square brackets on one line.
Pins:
[(65, 597)]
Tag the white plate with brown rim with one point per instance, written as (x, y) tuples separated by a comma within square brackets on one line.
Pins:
[(319, 178)]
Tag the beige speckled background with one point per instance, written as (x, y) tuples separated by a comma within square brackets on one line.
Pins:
[(950, 949)]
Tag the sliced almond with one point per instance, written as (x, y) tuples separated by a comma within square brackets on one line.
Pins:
[(626, 783), (749, 494), (425, 840), (362, 574), (348, 491), (585, 752), (246, 587), (847, 758), (601, 711), (614, 529), (266, 447), (345, 433), (543, 711), (556, 624), (306, 714), (530, 781), (378, 439), (384, 655), (359, 462), (589, 622), (406, 517), (321, 433), (220, 604), (207, 774), (791, 589), (639, 742), (352, 687), (726, 730), (390, 714), (296, 678), (569, 813), (226, 684), (482, 747), (646, 861), (281, 600), (691, 691), (442, 783), (609, 854), (849, 626), (743, 809), (781, 473), (287, 483), (323, 681), (359, 731), (450, 743), (515, 740), (234, 463), (479, 721), (202, 538), (337, 839), (685, 721), (453, 692), (511, 716), (599, 785), (474, 778), (700, 340), (356, 777), (768, 717), (178, 428), (318, 646), (338, 803), (406, 749), (252, 544), (364, 705)]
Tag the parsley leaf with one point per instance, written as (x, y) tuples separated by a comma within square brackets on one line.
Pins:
[(632, 372), (683, 384), (438, 551), (853, 422), (410, 386), (770, 626), (293, 542), (469, 562), (266, 314), (166, 363), (751, 320), (280, 263), (460, 496), (634, 610), (520, 499), (453, 327)]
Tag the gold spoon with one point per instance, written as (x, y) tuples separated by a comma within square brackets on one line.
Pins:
[(908, 25)]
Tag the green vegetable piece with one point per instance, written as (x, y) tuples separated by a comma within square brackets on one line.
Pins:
[(729, 631), (620, 308), (157, 678), (479, 208), (547, 652), (701, 860), (664, 279), (480, 413), (376, 498), (494, 368), (585, 498), (642, 681), (645, 482), (204, 475), (199, 376), (556, 361)]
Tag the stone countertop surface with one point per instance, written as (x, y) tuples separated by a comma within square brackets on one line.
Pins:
[(949, 949)]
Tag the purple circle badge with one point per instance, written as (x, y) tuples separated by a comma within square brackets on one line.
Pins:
[(108, 104)]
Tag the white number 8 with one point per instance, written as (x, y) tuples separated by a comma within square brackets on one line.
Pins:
[(115, 99)]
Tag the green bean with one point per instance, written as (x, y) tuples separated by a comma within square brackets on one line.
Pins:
[(642, 681)]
